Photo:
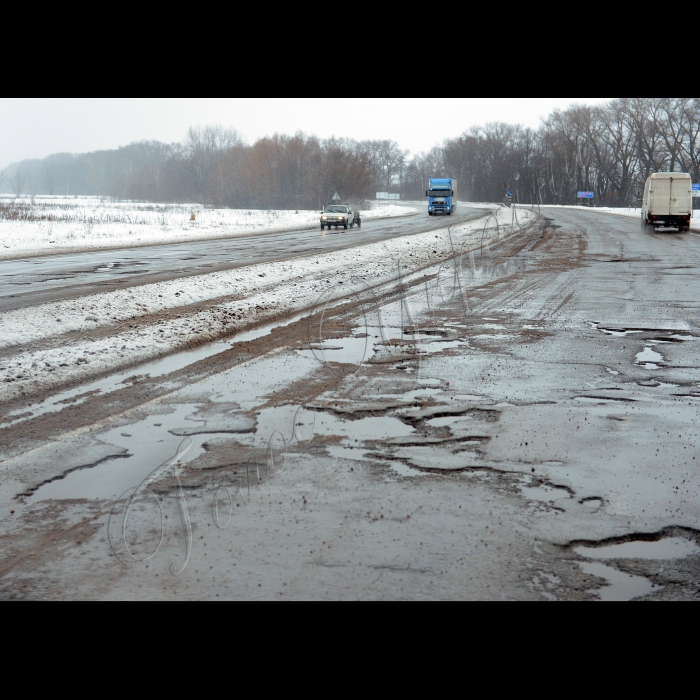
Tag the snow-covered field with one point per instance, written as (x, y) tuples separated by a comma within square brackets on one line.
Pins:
[(172, 320), (60, 224)]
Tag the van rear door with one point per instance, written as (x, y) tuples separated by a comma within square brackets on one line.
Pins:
[(680, 196), (660, 196)]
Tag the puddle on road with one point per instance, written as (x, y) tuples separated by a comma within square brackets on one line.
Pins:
[(364, 430), (348, 351), (149, 442), (438, 346), (648, 359), (621, 587), (619, 334), (452, 422), (624, 587), (624, 328), (115, 382), (156, 368), (663, 550), (251, 384)]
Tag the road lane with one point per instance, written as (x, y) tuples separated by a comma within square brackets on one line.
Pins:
[(32, 281)]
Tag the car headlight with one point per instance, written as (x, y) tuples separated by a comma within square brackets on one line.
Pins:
[(342, 218), (325, 218)]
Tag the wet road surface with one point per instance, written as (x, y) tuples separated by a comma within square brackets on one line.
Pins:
[(37, 280), (522, 427)]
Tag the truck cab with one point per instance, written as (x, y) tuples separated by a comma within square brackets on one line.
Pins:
[(442, 197)]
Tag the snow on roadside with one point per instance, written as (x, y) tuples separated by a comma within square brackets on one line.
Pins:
[(73, 224), (247, 295)]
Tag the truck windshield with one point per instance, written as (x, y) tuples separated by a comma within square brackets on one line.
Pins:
[(440, 193), (336, 210)]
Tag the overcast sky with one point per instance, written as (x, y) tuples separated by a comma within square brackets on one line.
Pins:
[(39, 126)]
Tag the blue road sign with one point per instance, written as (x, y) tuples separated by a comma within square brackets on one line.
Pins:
[(509, 193), (586, 195), (696, 188)]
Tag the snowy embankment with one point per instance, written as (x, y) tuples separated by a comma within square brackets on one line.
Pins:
[(143, 323), (44, 225)]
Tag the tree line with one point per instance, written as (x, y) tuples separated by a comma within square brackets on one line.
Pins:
[(609, 149)]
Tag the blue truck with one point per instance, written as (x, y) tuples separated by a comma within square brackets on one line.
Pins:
[(442, 197)]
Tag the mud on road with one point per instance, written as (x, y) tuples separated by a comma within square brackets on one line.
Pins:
[(520, 425)]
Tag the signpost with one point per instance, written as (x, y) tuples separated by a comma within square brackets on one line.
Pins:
[(336, 197), (696, 191), (509, 197), (386, 197), (586, 195)]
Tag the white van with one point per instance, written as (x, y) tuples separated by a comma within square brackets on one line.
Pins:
[(668, 201)]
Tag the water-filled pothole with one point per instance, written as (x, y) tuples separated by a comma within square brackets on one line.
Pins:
[(363, 430), (663, 550), (157, 368), (149, 444), (349, 351), (621, 587), (649, 359)]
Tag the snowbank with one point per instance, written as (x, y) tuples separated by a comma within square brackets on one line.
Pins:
[(45, 225), (242, 297)]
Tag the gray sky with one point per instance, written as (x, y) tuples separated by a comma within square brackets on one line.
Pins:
[(38, 126)]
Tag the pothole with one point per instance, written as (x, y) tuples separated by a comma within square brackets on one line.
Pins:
[(347, 351), (662, 550), (620, 587), (545, 493), (649, 359), (110, 479), (369, 429)]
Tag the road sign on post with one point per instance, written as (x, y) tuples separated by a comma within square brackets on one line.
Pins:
[(336, 197), (586, 195), (696, 191)]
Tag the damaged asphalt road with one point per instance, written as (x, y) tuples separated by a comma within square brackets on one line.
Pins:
[(521, 425)]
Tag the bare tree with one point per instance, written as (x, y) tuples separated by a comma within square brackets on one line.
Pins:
[(48, 176), (19, 183), (204, 148)]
